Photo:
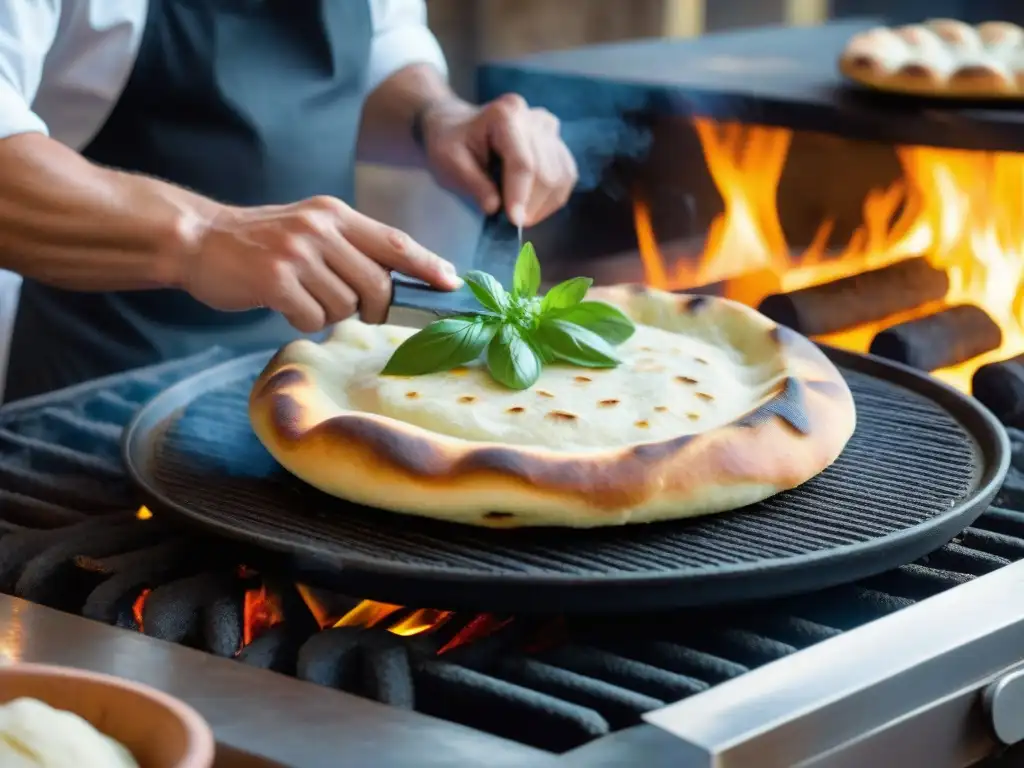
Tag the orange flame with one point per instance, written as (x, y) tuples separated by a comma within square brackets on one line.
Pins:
[(420, 621), (480, 626), (370, 613), (260, 612), (143, 513), (959, 209), (138, 606), (320, 613)]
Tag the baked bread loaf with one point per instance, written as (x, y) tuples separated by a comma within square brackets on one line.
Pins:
[(941, 57), (713, 407)]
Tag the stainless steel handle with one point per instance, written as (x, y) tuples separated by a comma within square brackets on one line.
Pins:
[(914, 677), (1004, 704)]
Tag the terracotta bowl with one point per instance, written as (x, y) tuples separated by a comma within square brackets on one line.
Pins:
[(160, 731)]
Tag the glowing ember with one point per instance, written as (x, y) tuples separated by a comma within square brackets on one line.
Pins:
[(138, 606), (143, 514), (420, 621), (958, 209), (260, 612), (480, 626), (368, 613)]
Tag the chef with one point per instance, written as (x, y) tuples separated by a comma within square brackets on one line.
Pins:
[(179, 173)]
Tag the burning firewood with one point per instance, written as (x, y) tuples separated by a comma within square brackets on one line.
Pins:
[(857, 299), (937, 341), (1000, 388)]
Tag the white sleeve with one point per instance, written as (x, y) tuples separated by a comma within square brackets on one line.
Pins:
[(401, 38), (27, 30)]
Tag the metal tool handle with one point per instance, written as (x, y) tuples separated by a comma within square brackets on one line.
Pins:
[(495, 169)]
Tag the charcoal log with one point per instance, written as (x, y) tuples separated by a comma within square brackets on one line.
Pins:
[(857, 299), (1000, 388), (946, 338)]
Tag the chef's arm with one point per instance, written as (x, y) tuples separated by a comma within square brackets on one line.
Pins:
[(386, 135), (63, 220), (407, 72), (67, 222)]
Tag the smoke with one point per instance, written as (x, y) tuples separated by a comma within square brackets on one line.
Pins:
[(602, 120), (598, 142)]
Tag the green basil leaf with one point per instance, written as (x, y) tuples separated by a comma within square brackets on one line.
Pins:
[(575, 344), (488, 290), (565, 295), (526, 277), (545, 356), (511, 360), (606, 321), (441, 346)]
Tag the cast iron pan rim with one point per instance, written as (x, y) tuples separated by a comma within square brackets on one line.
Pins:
[(859, 558)]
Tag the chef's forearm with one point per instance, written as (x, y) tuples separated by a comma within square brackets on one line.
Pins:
[(69, 223), (385, 135)]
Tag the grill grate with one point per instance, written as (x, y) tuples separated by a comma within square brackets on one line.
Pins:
[(551, 683), (207, 463)]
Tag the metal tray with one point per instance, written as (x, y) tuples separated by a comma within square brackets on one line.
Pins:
[(924, 462)]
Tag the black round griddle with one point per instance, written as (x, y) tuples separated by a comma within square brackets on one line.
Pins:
[(924, 462)]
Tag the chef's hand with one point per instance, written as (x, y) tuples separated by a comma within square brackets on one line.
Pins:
[(316, 262), (538, 171)]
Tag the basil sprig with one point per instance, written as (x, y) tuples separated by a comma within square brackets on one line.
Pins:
[(517, 331)]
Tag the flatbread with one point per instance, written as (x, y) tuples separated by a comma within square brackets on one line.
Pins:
[(942, 58), (713, 408)]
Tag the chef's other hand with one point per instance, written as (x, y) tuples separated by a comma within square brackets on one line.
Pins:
[(538, 170), (316, 262)]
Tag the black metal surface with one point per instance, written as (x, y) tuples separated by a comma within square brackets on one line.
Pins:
[(921, 466), (780, 76)]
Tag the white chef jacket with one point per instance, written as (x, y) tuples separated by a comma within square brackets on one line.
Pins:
[(64, 63)]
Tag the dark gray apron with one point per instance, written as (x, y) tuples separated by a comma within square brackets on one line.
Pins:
[(249, 102)]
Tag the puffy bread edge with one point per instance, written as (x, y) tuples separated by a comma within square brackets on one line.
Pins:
[(385, 463)]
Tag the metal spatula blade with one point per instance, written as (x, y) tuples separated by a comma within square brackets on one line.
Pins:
[(413, 294), (496, 254)]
